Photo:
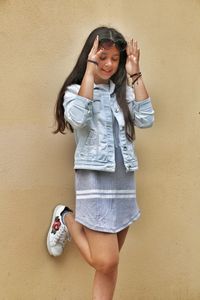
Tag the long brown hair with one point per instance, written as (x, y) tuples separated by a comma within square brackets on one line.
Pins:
[(76, 76)]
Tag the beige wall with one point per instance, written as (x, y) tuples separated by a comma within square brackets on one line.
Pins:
[(40, 41)]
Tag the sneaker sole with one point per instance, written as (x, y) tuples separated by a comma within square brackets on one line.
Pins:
[(49, 232)]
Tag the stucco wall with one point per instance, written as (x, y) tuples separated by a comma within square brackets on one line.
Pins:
[(40, 41)]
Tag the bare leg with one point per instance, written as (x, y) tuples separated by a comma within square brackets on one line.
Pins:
[(101, 251), (105, 257), (104, 285), (78, 235)]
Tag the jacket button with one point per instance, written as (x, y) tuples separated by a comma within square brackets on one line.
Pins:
[(117, 110), (125, 148)]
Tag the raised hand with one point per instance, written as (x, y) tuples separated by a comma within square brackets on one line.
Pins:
[(87, 85), (133, 56), (93, 52), (93, 57)]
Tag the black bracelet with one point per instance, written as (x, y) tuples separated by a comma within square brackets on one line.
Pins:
[(136, 79), (139, 73), (93, 61)]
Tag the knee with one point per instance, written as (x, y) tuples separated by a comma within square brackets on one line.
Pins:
[(106, 265)]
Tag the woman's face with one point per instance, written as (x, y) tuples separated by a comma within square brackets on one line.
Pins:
[(107, 65)]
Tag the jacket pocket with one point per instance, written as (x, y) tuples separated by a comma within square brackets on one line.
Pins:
[(89, 148), (91, 139)]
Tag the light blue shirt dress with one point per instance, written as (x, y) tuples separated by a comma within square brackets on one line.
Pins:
[(106, 201)]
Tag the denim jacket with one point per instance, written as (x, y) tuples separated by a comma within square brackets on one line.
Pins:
[(92, 121)]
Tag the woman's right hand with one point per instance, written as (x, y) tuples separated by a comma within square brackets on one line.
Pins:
[(87, 85), (93, 57)]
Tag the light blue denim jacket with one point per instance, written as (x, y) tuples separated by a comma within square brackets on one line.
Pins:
[(92, 121)]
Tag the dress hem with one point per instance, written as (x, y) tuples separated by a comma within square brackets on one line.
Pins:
[(103, 229)]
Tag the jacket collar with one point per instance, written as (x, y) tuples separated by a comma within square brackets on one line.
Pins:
[(110, 87)]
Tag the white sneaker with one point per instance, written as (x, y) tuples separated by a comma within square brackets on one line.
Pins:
[(58, 233)]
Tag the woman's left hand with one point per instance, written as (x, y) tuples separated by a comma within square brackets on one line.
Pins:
[(133, 55)]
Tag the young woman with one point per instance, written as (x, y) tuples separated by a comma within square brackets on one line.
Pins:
[(101, 108)]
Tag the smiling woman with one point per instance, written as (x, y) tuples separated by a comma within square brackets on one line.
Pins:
[(98, 105)]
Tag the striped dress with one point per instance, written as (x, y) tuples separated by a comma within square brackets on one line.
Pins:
[(106, 201)]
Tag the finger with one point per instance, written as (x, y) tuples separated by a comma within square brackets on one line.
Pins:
[(132, 42), (128, 49), (96, 41), (135, 47), (94, 47), (95, 44), (132, 45), (138, 54), (136, 50)]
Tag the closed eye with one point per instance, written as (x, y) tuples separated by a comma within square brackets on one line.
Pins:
[(114, 58), (102, 57)]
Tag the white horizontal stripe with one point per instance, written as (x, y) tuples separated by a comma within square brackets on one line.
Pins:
[(105, 192), (105, 196)]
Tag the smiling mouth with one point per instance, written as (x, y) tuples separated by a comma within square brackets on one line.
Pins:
[(108, 72)]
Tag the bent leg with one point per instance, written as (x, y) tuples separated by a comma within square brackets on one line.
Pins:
[(101, 251), (78, 235), (105, 257)]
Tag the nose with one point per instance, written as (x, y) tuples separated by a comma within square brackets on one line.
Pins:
[(108, 63)]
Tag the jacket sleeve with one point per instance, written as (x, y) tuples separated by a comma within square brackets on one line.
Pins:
[(141, 111), (77, 109)]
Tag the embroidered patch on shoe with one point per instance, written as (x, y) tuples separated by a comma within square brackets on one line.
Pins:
[(56, 225)]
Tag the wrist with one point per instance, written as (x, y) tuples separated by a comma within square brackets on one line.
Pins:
[(135, 77), (136, 82), (90, 70)]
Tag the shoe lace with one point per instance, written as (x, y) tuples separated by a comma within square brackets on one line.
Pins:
[(61, 235)]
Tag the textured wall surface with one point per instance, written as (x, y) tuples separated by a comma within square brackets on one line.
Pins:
[(40, 42)]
